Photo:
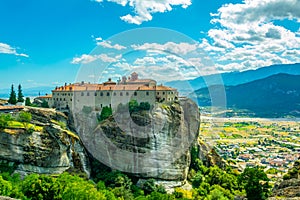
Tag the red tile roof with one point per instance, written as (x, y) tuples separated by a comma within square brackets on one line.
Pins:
[(104, 87)]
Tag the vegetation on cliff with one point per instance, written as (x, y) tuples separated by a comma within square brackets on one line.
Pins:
[(208, 183)]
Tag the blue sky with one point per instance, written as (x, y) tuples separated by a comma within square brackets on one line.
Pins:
[(47, 43)]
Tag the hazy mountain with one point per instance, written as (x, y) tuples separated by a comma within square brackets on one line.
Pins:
[(235, 78), (28, 92), (275, 96)]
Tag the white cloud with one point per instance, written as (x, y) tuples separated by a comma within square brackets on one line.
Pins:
[(7, 49), (182, 48), (144, 9), (107, 44), (247, 35), (85, 59)]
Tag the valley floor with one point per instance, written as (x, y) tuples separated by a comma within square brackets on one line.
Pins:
[(271, 143)]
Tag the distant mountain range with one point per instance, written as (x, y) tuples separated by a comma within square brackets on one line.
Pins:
[(234, 78), (275, 96), (28, 92)]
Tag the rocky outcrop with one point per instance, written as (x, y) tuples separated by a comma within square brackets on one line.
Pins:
[(148, 144), (209, 156), (49, 148), (290, 187)]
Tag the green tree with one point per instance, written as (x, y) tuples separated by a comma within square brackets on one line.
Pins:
[(20, 94), (5, 187), (133, 106), (38, 187), (105, 113), (27, 101), (256, 183), (12, 97), (74, 187), (45, 104), (25, 118), (144, 106)]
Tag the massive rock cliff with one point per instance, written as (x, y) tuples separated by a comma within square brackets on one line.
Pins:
[(51, 148), (148, 144)]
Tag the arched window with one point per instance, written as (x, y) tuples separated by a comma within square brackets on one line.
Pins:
[(121, 93), (101, 94), (135, 93), (107, 94)]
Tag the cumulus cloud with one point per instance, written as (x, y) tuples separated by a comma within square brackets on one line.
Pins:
[(143, 9), (182, 48), (85, 58), (7, 49), (246, 34), (108, 44)]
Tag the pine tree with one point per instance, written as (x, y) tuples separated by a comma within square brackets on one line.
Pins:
[(12, 97), (20, 94)]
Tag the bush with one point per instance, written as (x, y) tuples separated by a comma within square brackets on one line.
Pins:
[(25, 118), (45, 104), (28, 102), (5, 187), (105, 113), (87, 109), (4, 119)]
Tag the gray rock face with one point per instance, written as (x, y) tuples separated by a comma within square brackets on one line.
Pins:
[(289, 188), (52, 150), (153, 144)]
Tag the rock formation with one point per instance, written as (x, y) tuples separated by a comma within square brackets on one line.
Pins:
[(148, 144), (290, 186), (48, 149)]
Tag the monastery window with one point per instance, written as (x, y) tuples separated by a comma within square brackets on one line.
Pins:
[(64, 99), (121, 93), (127, 93), (135, 93), (69, 94), (107, 94), (163, 93), (56, 99), (95, 94), (101, 94), (115, 94), (70, 99), (60, 99), (157, 93), (87, 94), (147, 93), (82, 94)]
